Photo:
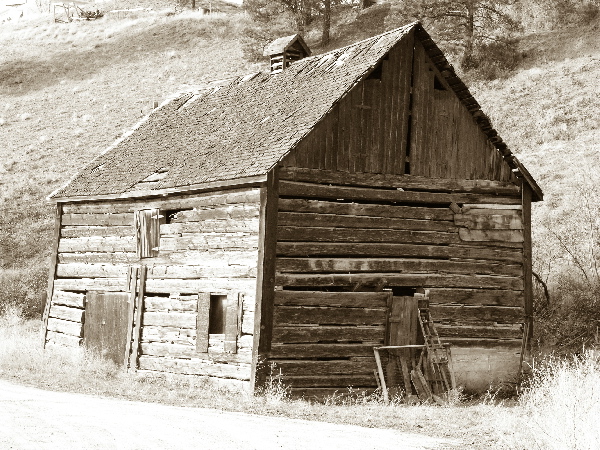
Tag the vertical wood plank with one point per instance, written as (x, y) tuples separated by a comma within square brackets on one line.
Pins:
[(527, 261), (52, 273), (231, 322), (265, 279), (202, 322), (139, 307)]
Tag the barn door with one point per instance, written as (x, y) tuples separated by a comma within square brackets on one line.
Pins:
[(403, 321), (402, 329), (106, 324)]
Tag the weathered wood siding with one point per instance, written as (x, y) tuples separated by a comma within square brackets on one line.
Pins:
[(402, 119), (209, 244), (459, 240)]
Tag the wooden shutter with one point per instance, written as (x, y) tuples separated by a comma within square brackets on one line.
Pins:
[(147, 226), (202, 322), (232, 322)]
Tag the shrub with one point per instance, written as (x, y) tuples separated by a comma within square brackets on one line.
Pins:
[(561, 404), (495, 59)]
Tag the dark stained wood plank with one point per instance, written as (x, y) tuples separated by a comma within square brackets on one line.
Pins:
[(314, 334), (398, 250), (394, 279), (322, 298), (302, 315), (477, 297), (360, 209), (311, 190), (407, 182), (316, 234), (339, 380), (322, 350), (347, 265), (346, 221), (357, 365), (491, 235), (513, 344), (480, 331), (464, 314), (527, 267)]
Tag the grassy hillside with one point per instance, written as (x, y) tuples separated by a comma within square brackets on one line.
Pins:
[(68, 90)]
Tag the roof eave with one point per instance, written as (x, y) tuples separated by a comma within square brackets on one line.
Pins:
[(236, 182)]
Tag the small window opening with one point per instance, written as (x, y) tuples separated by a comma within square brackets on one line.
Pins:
[(376, 73), (170, 215), (402, 291), (217, 314), (437, 84)]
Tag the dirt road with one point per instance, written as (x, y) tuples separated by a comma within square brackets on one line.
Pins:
[(31, 418)]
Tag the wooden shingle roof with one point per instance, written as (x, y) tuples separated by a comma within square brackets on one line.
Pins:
[(241, 129)]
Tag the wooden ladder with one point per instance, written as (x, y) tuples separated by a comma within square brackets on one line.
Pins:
[(438, 371)]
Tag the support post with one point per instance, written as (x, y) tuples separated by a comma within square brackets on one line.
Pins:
[(52, 274), (265, 280)]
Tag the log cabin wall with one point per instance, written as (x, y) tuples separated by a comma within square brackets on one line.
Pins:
[(342, 235), (208, 247)]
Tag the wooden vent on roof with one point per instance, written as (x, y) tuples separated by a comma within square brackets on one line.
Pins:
[(286, 50)]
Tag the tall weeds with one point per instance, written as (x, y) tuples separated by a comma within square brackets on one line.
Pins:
[(561, 405)]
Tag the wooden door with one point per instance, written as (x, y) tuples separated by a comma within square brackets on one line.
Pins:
[(403, 321), (402, 329), (106, 324)]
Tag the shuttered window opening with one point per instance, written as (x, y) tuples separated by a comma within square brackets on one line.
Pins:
[(218, 315), (147, 226)]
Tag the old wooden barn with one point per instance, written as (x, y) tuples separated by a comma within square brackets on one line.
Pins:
[(273, 220)]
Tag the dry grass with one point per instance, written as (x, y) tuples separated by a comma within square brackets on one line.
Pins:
[(558, 410)]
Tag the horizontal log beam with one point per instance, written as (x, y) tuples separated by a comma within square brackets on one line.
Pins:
[(394, 279), (189, 351), (474, 331), (310, 190), (82, 270), (171, 319), (490, 235), (353, 366), (321, 298), (97, 219), (65, 327), (235, 213), (195, 367), (477, 297), (65, 340), (313, 234), (489, 222), (460, 314), (398, 181), (295, 219), (485, 343), (66, 313), (346, 265), (398, 251), (360, 209), (315, 334), (340, 381), (322, 350), (99, 231), (73, 299), (302, 315), (324, 393), (212, 226), (174, 202), (98, 257), (107, 244)]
